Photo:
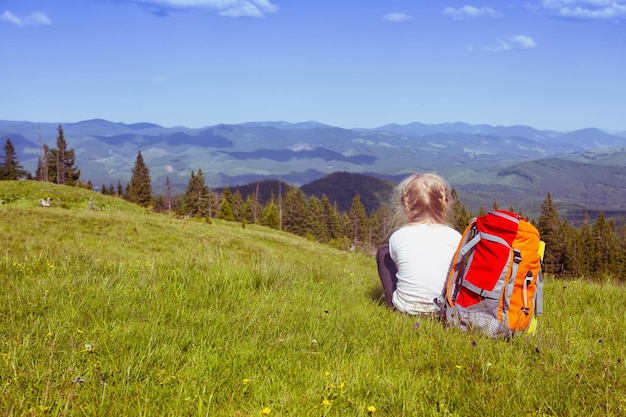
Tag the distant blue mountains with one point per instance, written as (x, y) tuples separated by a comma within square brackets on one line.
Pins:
[(584, 170)]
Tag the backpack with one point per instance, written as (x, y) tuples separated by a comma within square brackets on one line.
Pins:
[(495, 283)]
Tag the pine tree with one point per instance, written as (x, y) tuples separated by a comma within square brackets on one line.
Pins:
[(607, 250), (549, 227), (329, 218), (139, 190), (238, 206), (10, 169), (225, 211), (314, 225), (294, 212), (346, 227), (572, 250), (61, 162), (359, 220), (248, 209), (43, 165), (197, 200), (461, 216), (588, 245), (270, 216), (380, 226)]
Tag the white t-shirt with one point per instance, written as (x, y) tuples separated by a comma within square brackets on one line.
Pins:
[(423, 254)]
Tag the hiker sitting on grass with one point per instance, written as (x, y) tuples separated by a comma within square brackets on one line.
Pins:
[(413, 267)]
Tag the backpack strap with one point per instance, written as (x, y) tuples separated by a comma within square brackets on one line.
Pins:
[(539, 295), (539, 290), (493, 238), (445, 301), (494, 295)]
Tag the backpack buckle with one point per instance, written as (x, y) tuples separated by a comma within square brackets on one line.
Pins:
[(517, 256)]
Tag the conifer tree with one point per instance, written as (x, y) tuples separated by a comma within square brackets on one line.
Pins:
[(607, 250), (461, 216), (270, 214), (139, 190), (358, 218), (314, 226), (588, 244), (330, 218), (248, 209), (294, 212), (10, 169), (380, 226), (225, 211), (549, 227), (61, 162), (572, 250), (238, 206), (43, 165), (346, 226), (197, 199)]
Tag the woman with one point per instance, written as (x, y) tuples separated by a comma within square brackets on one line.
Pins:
[(414, 266)]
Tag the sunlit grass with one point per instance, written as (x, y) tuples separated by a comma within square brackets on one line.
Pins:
[(123, 312)]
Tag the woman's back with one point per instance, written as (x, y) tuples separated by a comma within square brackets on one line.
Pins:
[(422, 254)]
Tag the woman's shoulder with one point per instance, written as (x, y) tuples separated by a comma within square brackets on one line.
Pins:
[(431, 228)]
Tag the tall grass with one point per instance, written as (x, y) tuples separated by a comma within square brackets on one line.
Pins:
[(123, 312)]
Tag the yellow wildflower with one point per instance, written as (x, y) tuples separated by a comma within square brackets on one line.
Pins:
[(371, 409), (326, 402), (265, 411)]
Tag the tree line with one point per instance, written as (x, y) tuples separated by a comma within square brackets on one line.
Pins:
[(595, 250), (57, 165)]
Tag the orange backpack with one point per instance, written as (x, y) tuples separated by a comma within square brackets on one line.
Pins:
[(495, 284)]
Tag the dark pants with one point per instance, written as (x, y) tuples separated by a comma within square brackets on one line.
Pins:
[(387, 271)]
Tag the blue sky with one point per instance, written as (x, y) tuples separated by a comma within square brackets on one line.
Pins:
[(551, 64)]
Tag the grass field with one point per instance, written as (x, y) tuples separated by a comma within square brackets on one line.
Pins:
[(120, 311)]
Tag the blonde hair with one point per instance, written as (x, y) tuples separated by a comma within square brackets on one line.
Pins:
[(422, 198)]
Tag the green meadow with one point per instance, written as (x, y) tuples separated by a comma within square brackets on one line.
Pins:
[(119, 311)]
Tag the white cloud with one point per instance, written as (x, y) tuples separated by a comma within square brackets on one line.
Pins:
[(586, 9), (32, 19), (397, 17), (229, 8), (514, 43), (469, 12)]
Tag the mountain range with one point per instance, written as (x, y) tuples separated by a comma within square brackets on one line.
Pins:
[(584, 170)]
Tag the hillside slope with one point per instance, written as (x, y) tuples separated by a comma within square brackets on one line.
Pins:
[(121, 311)]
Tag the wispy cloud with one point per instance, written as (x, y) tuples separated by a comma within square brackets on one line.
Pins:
[(229, 8), (514, 43), (397, 17), (469, 12), (32, 19), (585, 9)]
